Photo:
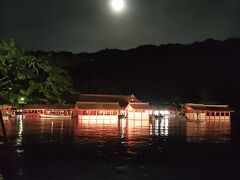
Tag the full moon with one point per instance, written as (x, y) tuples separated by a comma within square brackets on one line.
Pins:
[(117, 5)]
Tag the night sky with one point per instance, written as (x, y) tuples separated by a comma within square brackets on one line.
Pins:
[(91, 25)]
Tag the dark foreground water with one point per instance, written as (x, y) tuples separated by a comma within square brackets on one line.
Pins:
[(165, 149)]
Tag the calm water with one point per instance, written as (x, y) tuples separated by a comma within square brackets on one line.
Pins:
[(133, 149)]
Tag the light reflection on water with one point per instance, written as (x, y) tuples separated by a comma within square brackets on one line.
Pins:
[(50, 130), (159, 127), (208, 131), (124, 138)]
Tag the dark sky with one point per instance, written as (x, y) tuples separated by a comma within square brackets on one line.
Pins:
[(91, 25)]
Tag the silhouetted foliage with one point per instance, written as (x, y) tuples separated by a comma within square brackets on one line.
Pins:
[(160, 73), (27, 79)]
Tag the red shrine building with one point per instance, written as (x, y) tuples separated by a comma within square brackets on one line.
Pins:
[(46, 111), (98, 106), (6, 109), (136, 110), (207, 112)]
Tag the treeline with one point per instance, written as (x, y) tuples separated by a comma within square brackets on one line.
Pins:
[(200, 72), (26, 79)]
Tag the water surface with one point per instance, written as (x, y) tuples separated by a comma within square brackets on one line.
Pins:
[(126, 149)]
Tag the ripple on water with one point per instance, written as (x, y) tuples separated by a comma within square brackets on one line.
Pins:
[(73, 143), (19, 151)]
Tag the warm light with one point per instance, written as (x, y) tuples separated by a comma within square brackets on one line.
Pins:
[(156, 113), (117, 5), (163, 113), (167, 112)]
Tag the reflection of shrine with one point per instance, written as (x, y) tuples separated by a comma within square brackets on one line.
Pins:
[(100, 122), (134, 127), (159, 127), (214, 131), (122, 128), (95, 128), (41, 129)]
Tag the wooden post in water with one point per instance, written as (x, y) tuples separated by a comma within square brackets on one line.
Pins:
[(3, 127)]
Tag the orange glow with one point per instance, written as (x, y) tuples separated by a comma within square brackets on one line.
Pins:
[(201, 131), (99, 121), (113, 127)]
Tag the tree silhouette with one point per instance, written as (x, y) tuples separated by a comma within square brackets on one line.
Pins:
[(27, 79)]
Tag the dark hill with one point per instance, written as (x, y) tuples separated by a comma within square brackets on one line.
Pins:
[(202, 71)]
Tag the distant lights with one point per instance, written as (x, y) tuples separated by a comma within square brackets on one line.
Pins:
[(164, 112), (22, 100), (156, 113)]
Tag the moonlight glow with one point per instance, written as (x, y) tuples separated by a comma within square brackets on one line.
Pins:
[(117, 5)]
